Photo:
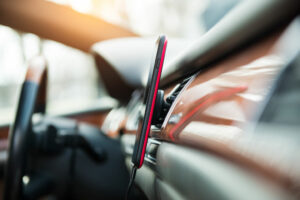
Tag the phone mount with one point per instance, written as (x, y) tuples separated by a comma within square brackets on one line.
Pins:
[(161, 109)]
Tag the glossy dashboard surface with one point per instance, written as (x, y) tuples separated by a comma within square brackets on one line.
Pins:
[(226, 96), (217, 109)]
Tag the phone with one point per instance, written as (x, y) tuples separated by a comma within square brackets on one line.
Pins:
[(149, 101)]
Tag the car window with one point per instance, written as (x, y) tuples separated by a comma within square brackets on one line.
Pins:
[(12, 70), (175, 18), (74, 83)]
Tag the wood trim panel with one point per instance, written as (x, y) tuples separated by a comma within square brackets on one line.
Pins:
[(4, 130), (251, 71)]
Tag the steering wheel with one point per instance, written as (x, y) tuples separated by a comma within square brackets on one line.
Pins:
[(30, 101)]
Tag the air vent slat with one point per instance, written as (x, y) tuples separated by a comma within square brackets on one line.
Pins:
[(162, 106)]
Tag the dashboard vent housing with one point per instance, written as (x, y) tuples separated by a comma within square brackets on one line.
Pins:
[(162, 106), (173, 94)]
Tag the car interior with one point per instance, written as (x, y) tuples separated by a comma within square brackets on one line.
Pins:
[(225, 121)]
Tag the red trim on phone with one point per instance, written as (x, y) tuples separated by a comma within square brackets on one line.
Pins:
[(153, 103)]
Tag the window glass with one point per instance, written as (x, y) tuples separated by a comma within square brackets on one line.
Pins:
[(175, 18), (73, 83), (12, 70), (73, 78)]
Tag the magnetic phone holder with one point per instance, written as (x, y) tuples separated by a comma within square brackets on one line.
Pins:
[(160, 110)]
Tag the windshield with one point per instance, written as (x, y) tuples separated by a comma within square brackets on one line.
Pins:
[(175, 18)]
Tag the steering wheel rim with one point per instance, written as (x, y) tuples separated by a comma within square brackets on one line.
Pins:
[(20, 132)]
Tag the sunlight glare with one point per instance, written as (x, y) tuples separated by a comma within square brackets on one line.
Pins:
[(83, 6)]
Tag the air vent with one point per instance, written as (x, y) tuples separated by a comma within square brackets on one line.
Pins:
[(172, 96), (162, 106)]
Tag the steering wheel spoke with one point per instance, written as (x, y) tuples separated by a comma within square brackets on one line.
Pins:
[(20, 133)]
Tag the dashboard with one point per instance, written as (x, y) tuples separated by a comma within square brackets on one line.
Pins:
[(225, 97), (212, 115)]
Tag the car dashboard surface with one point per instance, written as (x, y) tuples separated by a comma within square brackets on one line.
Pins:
[(207, 144)]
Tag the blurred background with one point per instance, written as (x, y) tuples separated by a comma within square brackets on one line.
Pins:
[(74, 83)]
